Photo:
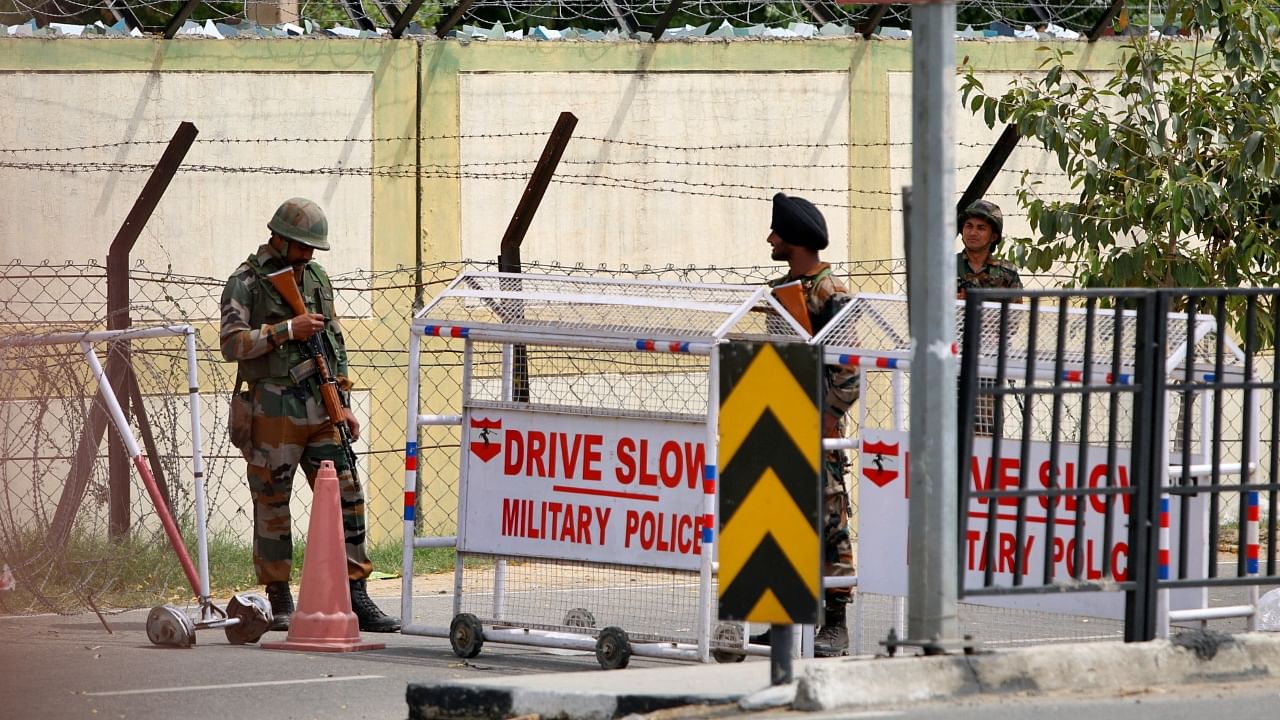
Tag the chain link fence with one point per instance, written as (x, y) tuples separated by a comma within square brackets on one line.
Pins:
[(47, 399)]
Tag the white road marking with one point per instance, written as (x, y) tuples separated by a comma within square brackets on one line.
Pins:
[(265, 683)]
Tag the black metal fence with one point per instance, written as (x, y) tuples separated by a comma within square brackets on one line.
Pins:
[(1115, 441)]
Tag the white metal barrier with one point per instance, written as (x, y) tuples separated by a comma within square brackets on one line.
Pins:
[(598, 395)]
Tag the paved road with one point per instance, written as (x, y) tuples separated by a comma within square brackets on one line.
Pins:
[(54, 667), (71, 667)]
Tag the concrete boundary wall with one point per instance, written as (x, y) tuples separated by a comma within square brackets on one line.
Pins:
[(678, 148)]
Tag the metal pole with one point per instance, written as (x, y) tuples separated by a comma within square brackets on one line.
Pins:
[(932, 576), (197, 465), (410, 477), (780, 664)]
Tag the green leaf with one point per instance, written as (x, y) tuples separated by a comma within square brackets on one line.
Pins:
[(1251, 145)]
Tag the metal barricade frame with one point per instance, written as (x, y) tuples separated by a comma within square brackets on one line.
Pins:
[(524, 314)]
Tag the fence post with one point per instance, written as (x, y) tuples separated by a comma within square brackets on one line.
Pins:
[(1144, 526), (118, 318)]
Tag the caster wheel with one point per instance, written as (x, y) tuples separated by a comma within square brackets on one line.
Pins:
[(579, 618), (727, 641), (254, 613), (466, 635), (170, 627), (613, 649)]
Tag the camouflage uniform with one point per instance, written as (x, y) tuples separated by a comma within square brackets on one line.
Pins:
[(840, 392), (290, 424), (995, 273)]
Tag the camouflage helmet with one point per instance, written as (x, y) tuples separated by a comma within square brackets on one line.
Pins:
[(303, 221), (985, 210)]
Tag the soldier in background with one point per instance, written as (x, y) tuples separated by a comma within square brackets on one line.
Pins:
[(981, 227), (290, 424), (799, 233)]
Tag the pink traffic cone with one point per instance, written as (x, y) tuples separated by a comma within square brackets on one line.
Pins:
[(323, 621)]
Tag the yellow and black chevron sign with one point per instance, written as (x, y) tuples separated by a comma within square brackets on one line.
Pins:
[(770, 482)]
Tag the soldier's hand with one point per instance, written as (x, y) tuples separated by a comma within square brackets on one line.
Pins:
[(353, 425), (304, 326)]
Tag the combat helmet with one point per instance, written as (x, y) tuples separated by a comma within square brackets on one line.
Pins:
[(986, 210), (303, 221)]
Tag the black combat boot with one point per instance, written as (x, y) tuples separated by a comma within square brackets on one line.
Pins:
[(372, 619), (832, 639), (281, 604)]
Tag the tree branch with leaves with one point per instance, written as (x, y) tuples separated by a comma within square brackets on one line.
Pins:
[(1172, 159)]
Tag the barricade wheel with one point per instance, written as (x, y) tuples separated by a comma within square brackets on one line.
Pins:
[(728, 635), (466, 635), (613, 649), (579, 618), (254, 613), (167, 625)]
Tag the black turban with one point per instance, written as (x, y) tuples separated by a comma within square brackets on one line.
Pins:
[(798, 222)]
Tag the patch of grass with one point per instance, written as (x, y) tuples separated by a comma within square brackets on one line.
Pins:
[(231, 562), (144, 571)]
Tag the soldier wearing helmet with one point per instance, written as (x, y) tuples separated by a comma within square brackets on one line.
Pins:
[(981, 227), (290, 426)]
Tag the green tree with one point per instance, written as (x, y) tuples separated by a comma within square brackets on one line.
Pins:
[(1172, 159)]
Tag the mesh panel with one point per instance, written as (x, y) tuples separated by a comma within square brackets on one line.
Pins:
[(601, 308), (651, 605)]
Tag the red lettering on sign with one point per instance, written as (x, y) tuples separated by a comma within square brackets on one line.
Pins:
[(553, 521), (537, 445), (647, 477), (1006, 470), (1098, 478), (514, 452), (626, 470), (663, 532), (1006, 549), (591, 457)]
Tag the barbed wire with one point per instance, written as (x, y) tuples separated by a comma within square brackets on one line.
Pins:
[(576, 140), (1075, 15)]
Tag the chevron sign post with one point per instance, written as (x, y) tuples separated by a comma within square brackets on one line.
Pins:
[(770, 483)]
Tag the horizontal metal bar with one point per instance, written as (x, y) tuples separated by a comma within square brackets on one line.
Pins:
[(834, 581), (1219, 489), (435, 542), (574, 300), (1215, 613), (540, 638), (1051, 492), (590, 342), (839, 443), (1238, 581), (573, 641), (995, 295), (1081, 586), (439, 420), (95, 336), (424, 630), (1207, 469)]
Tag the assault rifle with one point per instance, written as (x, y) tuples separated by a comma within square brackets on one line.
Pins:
[(284, 283)]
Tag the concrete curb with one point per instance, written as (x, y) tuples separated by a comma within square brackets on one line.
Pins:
[(1196, 657), (587, 695), (857, 683)]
